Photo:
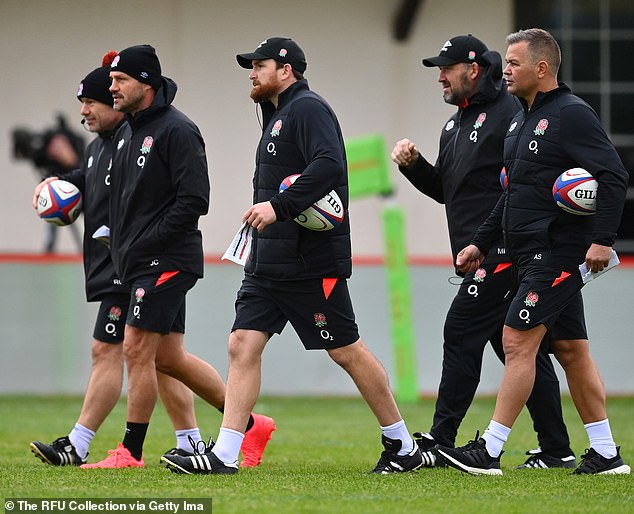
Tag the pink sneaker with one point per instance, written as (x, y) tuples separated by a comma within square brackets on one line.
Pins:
[(256, 439), (119, 458)]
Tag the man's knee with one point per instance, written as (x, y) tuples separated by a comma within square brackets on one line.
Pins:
[(246, 346), (106, 352)]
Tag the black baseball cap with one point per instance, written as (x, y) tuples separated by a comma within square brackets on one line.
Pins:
[(281, 49), (458, 49)]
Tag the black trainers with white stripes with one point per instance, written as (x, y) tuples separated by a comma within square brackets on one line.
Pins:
[(391, 462), (59, 453), (427, 444), (537, 459), (593, 463), (205, 463), (471, 458)]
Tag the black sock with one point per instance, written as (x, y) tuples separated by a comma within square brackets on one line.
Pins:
[(134, 438)]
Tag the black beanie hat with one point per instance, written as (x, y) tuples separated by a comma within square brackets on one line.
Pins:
[(141, 63), (96, 86)]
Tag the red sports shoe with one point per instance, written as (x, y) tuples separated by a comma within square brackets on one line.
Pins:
[(256, 439), (119, 458)]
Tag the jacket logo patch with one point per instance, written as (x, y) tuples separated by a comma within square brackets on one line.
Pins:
[(512, 127), (541, 127), (450, 124), (276, 128), (480, 121), (147, 145), (120, 143)]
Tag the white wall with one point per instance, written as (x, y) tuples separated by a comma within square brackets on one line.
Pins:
[(47, 327), (375, 84)]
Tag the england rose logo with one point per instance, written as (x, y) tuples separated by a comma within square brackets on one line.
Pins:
[(320, 319), (147, 145), (276, 128), (480, 121), (541, 127), (531, 299), (479, 275)]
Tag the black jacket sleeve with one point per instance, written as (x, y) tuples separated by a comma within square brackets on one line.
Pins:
[(490, 231), (585, 141)]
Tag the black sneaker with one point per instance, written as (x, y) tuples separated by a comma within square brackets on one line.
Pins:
[(198, 448), (198, 464), (59, 453), (427, 445), (472, 458), (593, 463), (391, 462), (179, 451), (537, 459)]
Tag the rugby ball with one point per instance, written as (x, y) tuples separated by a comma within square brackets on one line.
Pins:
[(325, 214), (575, 191), (504, 179), (59, 203)]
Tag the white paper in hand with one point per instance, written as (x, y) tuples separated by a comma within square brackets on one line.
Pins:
[(240, 247), (102, 234), (587, 275)]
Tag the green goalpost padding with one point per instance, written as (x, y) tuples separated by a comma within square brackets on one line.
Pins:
[(368, 175)]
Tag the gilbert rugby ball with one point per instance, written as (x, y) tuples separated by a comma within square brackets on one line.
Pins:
[(325, 214), (59, 203), (575, 191)]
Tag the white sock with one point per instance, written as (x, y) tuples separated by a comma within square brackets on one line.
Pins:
[(81, 437), (495, 436), (227, 447), (182, 438), (601, 439), (399, 431)]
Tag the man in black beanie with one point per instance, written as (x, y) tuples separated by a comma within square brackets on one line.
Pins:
[(159, 189), (102, 285)]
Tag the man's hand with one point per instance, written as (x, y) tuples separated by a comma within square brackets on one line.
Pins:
[(469, 259), (260, 215), (38, 189), (405, 153), (598, 257)]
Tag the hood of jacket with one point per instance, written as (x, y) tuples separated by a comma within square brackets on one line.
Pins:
[(492, 82)]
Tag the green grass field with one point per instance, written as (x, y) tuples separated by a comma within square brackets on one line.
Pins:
[(317, 462)]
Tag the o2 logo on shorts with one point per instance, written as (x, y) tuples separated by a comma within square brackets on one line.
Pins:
[(326, 335), (111, 329)]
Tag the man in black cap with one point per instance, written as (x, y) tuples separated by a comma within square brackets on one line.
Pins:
[(103, 285), (294, 274), (466, 179), (160, 188), (554, 131)]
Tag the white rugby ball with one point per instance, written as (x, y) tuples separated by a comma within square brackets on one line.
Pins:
[(59, 203), (575, 191), (324, 214)]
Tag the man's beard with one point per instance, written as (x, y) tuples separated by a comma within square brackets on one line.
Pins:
[(263, 92)]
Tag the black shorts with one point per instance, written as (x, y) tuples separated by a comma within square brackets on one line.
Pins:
[(157, 301), (320, 310), (110, 323), (549, 293)]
